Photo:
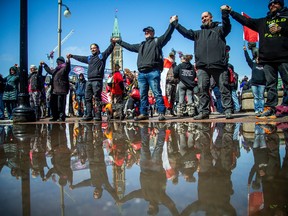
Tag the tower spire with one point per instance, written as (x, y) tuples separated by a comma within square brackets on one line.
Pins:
[(116, 31)]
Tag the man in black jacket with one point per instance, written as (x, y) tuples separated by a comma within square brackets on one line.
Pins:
[(150, 65), (96, 66), (273, 51), (211, 60)]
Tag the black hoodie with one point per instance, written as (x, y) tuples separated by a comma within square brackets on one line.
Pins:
[(273, 48)]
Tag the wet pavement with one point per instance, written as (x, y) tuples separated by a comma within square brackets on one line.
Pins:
[(177, 167)]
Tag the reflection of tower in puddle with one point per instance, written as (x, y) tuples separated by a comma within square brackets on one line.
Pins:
[(119, 179)]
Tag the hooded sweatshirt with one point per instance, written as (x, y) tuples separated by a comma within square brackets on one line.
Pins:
[(273, 48)]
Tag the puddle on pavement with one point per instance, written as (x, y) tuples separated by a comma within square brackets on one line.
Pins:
[(144, 169)]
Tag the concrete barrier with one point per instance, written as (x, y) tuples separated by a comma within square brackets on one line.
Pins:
[(247, 100)]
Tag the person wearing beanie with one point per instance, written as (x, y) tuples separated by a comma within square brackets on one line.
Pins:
[(96, 66), (60, 59), (11, 91), (59, 87), (211, 60), (186, 74), (80, 87), (273, 50)]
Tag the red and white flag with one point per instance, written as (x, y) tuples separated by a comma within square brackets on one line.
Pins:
[(248, 34)]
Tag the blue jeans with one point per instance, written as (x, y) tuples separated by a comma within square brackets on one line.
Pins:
[(81, 104), (236, 104), (150, 79), (218, 99), (258, 94)]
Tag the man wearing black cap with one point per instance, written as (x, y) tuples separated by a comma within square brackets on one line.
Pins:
[(150, 65), (59, 87), (273, 50), (211, 60)]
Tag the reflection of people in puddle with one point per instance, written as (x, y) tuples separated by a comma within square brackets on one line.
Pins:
[(216, 162), (12, 152), (259, 149), (274, 177), (152, 176), (187, 162), (98, 170), (38, 153), (61, 156)]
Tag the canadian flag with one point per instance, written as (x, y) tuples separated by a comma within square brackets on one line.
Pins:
[(248, 34)]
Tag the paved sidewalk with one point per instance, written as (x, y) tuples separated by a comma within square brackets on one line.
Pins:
[(238, 117)]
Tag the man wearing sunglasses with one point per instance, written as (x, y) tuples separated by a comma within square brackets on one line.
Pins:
[(273, 50)]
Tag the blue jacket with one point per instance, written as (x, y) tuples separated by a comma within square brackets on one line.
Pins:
[(80, 87)]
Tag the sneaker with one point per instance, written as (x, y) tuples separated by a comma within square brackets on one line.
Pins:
[(228, 115), (201, 116), (141, 117), (161, 117), (87, 118), (268, 113)]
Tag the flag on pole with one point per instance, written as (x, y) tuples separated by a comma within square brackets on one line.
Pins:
[(248, 34)]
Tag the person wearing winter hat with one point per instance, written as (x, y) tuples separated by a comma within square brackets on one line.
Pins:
[(59, 87), (11, 91), (80, 87), (60, 60), (273, 50), (281, 2)]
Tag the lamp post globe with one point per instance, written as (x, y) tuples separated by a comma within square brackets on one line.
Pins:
[(67, 13)]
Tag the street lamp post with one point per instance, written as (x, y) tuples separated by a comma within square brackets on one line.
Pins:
[(23, 113), (67, 14)]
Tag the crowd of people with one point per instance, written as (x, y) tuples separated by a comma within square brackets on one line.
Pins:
[(188, 88)]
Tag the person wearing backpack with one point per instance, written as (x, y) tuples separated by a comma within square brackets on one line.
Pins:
[(233, 80), (150, 64), (96, 66)]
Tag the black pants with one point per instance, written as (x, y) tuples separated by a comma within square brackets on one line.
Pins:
[(58, 104), (222, 81), (271, 75), (93, 88)]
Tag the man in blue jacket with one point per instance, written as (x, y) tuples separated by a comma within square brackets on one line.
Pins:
[(273, 50), (96, 66), (211, 60)]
